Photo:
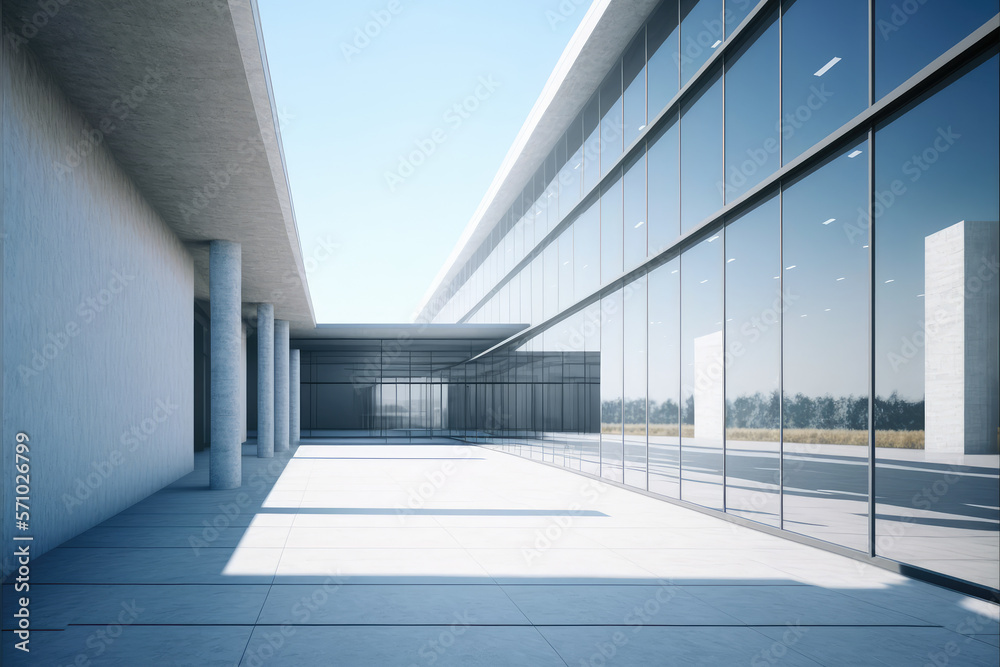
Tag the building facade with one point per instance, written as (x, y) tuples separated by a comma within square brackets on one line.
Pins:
[(755, 246)]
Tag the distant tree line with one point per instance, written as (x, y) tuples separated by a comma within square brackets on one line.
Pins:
[(761, 410)]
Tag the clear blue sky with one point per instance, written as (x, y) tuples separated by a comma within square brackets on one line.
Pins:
[(349, 110)]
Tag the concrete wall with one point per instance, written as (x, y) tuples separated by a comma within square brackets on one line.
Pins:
[(98, 300), (961, 297)]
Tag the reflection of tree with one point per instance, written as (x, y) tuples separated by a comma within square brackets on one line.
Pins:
[(762, 411), (636, 409), (898, 413), (688, 416), (756, 411), (826, 412)]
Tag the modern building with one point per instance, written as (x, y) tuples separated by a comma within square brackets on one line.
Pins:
[(756, 247), (741, 258)]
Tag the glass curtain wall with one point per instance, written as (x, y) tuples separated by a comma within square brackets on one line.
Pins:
[(820, 356)]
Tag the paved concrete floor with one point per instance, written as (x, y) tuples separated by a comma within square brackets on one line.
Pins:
[(438, 553)]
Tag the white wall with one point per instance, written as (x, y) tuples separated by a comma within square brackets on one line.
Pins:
[(98, 300)]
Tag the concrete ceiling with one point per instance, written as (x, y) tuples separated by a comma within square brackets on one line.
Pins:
[(185, 86)]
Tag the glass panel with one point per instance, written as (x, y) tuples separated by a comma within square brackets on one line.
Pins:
[(566, 268), (634, 75), (611, 231), (634, 406), (515, 298), (537, 291), (736, 11), (508, 253), (664, 379), (663, 216), (590, 440), (753, 344), (936, 301), (909, 35), (591, 144), (663, 61), (519, 241), (612, 122), (504, 301), (587, 251), (571, 175), (752, 113), (824, 72), (825, 352), (702, 32), (611, 386), (701, 154), (526, 295), (551, 278), (635, 211), (702, 359)]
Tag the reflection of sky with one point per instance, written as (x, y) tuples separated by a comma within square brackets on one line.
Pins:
[(825, 278), (634, 305), (904, 45), (805, 51), (662, 224), (664, 304), (701, 155), (960, 184), (661, 44), (753, 300), (701, 300), (752, 112), (611, 346), (700, 26)]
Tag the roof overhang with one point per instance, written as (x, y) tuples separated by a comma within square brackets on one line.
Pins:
[(470, 338), (180, 93), (598, 42)]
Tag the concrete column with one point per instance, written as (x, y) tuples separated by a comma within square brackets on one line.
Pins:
[(294, 404), (280, 385), (265, 380), (225, 278)]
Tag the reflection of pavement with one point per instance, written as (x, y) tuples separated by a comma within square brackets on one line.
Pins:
[(941, 513)]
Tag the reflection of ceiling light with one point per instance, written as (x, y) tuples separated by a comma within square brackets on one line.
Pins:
[(577, 165), (717, 42), (839, 279), (829, 221), (919, 295), (803, 316), (826, 310), (777, 277), (826, 68), (673, 272), (731, 259), (863, 247), (704, 281), (891, 280), (566, 262), (713, 238), (639, 224), (789, 268), (642, 127), (854, 153)]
